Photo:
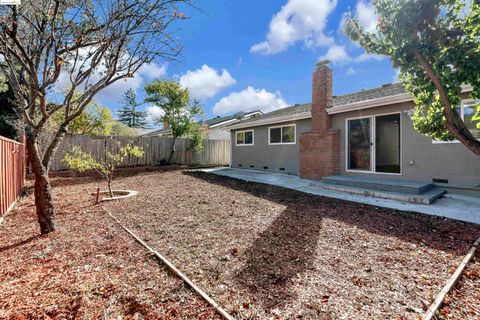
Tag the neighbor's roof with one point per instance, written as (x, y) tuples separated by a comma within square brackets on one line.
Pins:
[(210, 122), (238, 115), (363, 95)]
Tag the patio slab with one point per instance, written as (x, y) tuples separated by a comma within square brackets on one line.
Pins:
[(452, 206)]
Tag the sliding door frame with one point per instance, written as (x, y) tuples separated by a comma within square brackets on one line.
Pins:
[(373, 144)]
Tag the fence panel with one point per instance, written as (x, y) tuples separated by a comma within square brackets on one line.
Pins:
[(12, 172), (215, 152)]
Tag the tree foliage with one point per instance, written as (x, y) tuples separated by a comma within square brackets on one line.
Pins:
[(96, 120), (10, 113), (128, 114), (80, 161), (436, 46), (179, 111)]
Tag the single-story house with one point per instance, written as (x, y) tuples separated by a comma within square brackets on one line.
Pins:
[(213, 129), (367, 134)]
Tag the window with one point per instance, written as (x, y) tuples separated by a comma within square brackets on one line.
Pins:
[(244, 138), (467, 111), (282, 135)]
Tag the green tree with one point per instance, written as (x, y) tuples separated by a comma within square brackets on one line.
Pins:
[(95, 120), (129, 115), (80, 161), (179, 111), (121, 130), (10, 114), (436, 46)]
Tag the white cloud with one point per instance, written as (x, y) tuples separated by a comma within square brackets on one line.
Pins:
[(366, 16), (206, 82), (298, 20), (337, 54), (153, 113), (369, 56), (250, 99), (351, 71)]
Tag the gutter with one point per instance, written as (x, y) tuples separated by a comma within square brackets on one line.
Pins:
[(280, 119)]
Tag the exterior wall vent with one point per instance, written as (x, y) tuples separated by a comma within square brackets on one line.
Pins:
[(252, 166), (437, 180), (282, 169), (239, 165), (266, 168)]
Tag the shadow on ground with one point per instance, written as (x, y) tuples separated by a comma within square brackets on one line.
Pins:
[(287, 248)]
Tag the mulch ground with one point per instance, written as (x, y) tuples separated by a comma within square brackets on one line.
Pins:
[(464, 300), (265, 252), (89, 269)]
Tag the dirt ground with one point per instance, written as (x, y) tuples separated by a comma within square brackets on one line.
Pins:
[(261, 252), (464, 301), (265, 252), (89, 269)]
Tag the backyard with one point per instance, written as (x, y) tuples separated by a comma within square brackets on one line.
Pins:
[(261, 252)]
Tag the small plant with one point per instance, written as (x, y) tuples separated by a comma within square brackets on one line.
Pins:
[(81, 161)]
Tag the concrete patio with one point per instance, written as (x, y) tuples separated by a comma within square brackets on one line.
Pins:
[(452, 206)]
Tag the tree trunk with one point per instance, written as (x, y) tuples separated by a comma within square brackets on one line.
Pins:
[(43, 193), (172, 151), (109, 184), (453, 121)]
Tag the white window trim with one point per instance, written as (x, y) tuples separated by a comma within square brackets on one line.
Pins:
[(281, 134), (462, 115), (373, 147), (244, 144)]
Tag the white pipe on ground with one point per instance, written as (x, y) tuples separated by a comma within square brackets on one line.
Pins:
[(450, 283), (170, 265)]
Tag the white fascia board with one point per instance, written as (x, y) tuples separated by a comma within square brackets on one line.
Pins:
[(223, 123), (262, 122)]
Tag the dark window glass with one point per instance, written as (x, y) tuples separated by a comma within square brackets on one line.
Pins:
[(275, 135), (249, 137)]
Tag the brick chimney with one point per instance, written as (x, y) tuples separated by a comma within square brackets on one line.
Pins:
[(320, 148)]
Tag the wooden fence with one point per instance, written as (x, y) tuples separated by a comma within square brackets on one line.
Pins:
[(12, 172), (215, 152)]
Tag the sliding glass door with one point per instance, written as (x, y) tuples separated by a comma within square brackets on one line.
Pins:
[(359, 144), (373, 144), (387, 143)]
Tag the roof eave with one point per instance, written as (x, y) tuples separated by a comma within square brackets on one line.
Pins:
[(262, 122)]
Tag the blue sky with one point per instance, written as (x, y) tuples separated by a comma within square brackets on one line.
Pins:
[(244, 55)]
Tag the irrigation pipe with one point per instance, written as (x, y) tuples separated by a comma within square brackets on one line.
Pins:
[(450, 283), (177, 272)]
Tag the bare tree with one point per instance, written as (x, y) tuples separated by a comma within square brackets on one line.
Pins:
[(85, 44)]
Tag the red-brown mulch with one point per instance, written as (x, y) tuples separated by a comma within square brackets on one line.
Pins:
[(89, 269), (464, 301), (265, 252)]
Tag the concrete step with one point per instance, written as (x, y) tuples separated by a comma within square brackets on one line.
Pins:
[(390, 185), (427, 197)]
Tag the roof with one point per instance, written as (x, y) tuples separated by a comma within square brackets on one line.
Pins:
[(364, 95), (386, 90), (210, 122), (238, 115)]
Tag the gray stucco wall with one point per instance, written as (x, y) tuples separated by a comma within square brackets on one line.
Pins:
[(421, 158), (261, 154)]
